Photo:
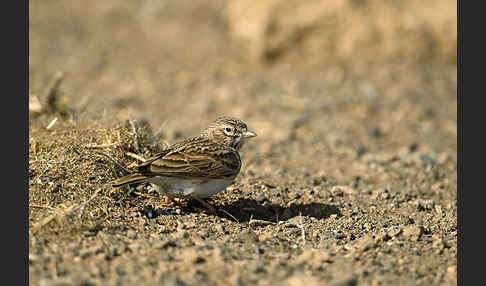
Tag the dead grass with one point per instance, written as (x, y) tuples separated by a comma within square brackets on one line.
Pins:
[(71, 169)]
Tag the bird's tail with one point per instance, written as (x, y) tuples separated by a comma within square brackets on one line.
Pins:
[(129, 179)]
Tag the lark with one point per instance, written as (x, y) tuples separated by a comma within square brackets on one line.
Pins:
[(197, 167)]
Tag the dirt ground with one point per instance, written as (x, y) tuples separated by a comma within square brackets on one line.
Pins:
[(351, 180)]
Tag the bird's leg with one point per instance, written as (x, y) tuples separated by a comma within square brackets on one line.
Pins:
[(213, 210), (206, 205)]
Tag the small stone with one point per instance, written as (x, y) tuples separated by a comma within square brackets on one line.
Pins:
[(348, 280), (199, 260), (423, 205), (339, 191), (365, 243), (301, 279), (383, 236), (260, 198), (204, 233), (149, 212), (258, 267), (180, 225), (315, 257), (182, 234), (134, 247), (412, 232), (296, 220), (413, 147), (85, 254), (375, 132), (166, 244), (169, 281), (438, 244), (336, 191), (426, 159), (89, 233), (339, 235), (410, 220), (219, 228), (438, 209), (361, 150), (452, 269), (384, 196), (131, 234), (367, 226), (231, 188)]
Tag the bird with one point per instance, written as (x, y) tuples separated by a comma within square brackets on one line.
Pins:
[(197, 167)]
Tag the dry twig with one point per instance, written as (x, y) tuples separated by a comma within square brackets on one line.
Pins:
[(94, 146), (135, 131), (52, 123), (259, 222), (230, 215), (111, 159), (51, 91), (135, 156)]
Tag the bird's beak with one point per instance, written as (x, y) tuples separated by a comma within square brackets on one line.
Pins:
[(249, 134)]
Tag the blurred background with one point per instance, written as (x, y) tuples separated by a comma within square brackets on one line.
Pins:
[(314, 71), (365, 76)]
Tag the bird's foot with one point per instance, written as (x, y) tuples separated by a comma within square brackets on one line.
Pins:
[(176, 202), (206, 205)]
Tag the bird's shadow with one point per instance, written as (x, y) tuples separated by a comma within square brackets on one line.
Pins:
[(246, 209)]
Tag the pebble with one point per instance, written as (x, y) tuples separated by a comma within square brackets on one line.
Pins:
[(260, 198), (166, 244), (203, 233), (365, 243), (339, 235), (173, 282), (339, 191), (438, 244), (182, 234), (348, 280), (258, 267), (131, 234), (426, 159), (296, 220), (422, 205), (316, 257), (219, 229), (412, 232), (452, 269), (89, 233), (301, 279)]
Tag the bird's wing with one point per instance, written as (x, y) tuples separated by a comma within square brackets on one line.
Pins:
[(194, 157)]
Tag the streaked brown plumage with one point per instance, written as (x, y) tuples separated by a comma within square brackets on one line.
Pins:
[(196, 167)]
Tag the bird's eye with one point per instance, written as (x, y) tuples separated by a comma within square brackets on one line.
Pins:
[(227, 129)]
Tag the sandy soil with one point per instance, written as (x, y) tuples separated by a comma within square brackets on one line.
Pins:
[(351, 181)]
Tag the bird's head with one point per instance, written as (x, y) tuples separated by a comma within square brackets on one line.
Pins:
[(229, 131)]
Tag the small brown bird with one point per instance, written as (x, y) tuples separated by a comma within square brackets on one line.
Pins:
[(196, 167)]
